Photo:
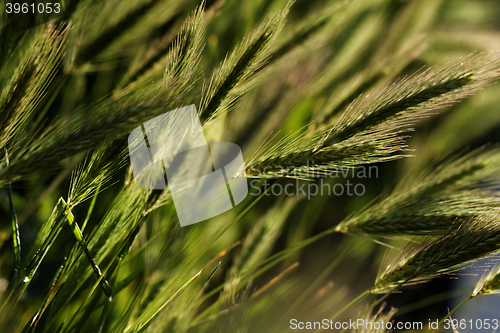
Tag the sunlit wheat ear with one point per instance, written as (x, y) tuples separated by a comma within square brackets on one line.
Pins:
[(92, 174), (186, 49), (148, 66), (489, 284), (236, 73), (24, 90), (112, 118), (372, 128), (455, 190), (425, 216), (182, 52), (473, 239)]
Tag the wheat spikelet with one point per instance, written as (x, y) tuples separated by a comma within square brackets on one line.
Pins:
[(24, 90), (372, 129), (112, 118), (455, 190), (474, 239), (489, 284), (234, 77)]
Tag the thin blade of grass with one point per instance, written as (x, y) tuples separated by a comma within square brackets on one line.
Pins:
[(142, 326)]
